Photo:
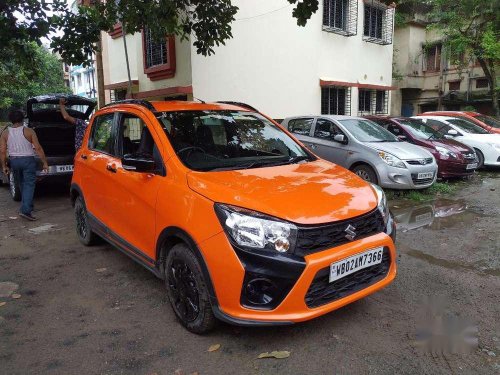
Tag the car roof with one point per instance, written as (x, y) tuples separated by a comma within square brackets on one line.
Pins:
[(332, 117), (452, 113), (434, 117), (180, 105)]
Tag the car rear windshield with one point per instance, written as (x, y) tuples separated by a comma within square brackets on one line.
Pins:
[(225, 140), (368, 131), (419, 130), (55, 107), (489, 121), (467, 126)]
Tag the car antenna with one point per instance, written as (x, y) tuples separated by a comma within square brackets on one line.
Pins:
[(202, 101)]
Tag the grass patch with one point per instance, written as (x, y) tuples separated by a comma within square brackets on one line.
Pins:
[(436, 190)]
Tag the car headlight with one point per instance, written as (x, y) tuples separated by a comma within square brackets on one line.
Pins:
[(390, 159), (382, 205), (254, 230), (445, 152)]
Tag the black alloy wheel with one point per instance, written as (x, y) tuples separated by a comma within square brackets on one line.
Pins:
[(83, 231), (187, 290)]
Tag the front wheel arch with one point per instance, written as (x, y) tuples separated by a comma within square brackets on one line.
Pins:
[(361, 163), (171, 236)]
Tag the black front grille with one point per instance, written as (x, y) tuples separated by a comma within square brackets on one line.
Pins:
[(469, 155), (422, 181), (420, 161), (322, 291), (313, 239)]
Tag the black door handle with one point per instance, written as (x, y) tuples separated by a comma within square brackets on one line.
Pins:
[(83, 156), (111, 168)]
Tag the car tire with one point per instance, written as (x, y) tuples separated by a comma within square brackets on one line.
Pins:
[(187, 290), (82, 226), (480, 158), (15, 190), (366, 173)]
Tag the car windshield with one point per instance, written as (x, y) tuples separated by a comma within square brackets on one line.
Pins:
[(368, 131), (467, 126), (419, 130), (225, 140), (489, 121)]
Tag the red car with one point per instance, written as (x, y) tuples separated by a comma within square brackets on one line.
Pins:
[(486, 122), (454, 159)]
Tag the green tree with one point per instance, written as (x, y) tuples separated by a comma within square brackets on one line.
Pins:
[(472, 27), (42, 74)]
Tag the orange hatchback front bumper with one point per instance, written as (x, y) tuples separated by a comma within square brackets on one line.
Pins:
[(312, 294)]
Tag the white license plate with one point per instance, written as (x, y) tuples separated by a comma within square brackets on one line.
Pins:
[(472, 166), (64, 168), (425, 175), (355, 263)]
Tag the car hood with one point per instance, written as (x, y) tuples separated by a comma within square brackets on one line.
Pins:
[(402, 150), (36, 115), (450, 144), (307, 193), (489, 138)]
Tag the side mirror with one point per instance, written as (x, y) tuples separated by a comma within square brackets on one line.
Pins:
[(452, 132), (138, 163), (341, 138), (402, 138)]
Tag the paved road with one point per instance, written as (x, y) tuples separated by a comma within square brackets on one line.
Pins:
[(94, 311)]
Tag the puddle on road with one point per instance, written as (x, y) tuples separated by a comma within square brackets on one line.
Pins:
[(434, 215), (453, 265)]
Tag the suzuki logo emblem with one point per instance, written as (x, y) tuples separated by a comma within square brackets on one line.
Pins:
[(350, 230)]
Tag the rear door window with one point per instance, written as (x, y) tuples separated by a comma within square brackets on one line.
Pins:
[(301, 126), (326, 129), (102, 138)]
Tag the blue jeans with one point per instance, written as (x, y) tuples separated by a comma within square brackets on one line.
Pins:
[(24, 169)]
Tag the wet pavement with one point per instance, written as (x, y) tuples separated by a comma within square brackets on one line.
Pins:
[(67, 309)]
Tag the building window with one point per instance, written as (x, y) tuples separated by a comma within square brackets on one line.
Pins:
[(432, 60), (454, 85), (374, 102), (159, 56), (482, 83), (381, 102), (335, 100), (378, 23), (340, 16), (365, 102), (79, 80)]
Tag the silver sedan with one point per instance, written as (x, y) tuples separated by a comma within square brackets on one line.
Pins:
[(367, 149)]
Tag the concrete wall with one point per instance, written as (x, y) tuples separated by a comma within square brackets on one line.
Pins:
[(275, 65)]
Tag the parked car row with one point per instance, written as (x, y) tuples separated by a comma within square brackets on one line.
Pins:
[(401, 153)]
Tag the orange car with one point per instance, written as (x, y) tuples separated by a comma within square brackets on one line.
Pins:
[(486, 122), (240, 220)]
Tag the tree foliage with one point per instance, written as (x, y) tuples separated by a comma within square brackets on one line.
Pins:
[(472, 27), (42, 74)]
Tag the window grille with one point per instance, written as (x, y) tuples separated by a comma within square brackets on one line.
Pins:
[(378, 22), (336, 100), (340, 16), (482, 83), (373, 102), (156, 51)]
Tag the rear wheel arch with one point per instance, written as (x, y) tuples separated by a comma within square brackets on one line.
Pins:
[(75, 192)]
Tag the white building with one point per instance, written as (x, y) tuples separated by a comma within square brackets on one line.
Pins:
[(83, 81), (340, 63)]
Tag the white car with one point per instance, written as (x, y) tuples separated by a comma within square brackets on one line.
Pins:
[(486, 145)]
